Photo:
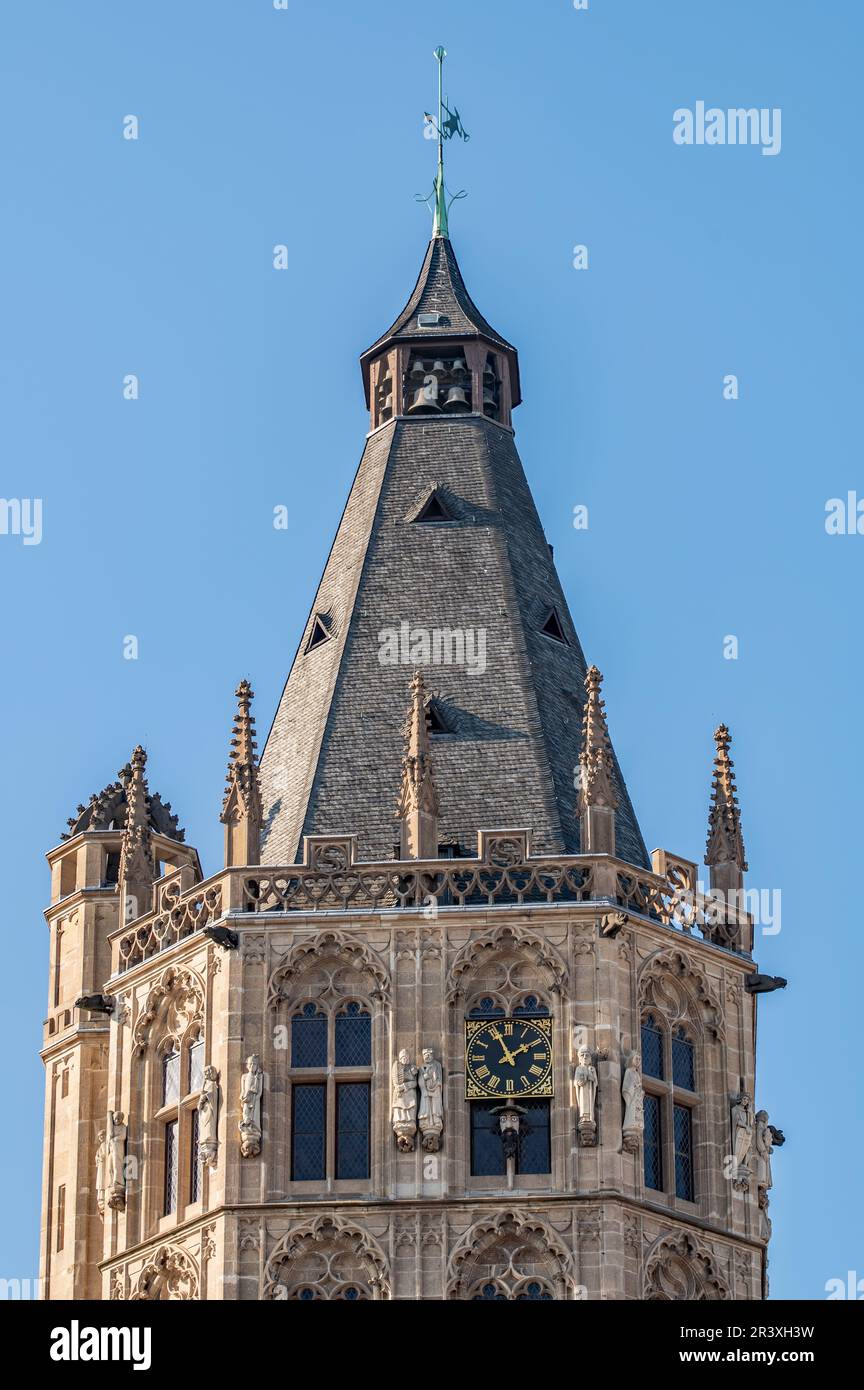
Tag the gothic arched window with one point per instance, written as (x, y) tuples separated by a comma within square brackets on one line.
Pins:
[(181, 1073), (331, 1073), (670, 1084)]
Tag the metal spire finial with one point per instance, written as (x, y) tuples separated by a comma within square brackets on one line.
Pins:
[(444, 129)]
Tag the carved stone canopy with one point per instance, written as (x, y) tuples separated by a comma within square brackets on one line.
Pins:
[(106, 810)]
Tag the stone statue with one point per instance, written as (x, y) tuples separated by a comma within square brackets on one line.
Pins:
[(208, 1117), (763, 1144), (631, 1090), (251, 1090), (742, 1139), (404, 1078), (585, 1083), (430, 1116), (101, 1169), (116, 1141)]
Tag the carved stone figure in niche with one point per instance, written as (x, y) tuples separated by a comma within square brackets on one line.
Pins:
[(585, 1084), (765, 1139), (404, 1079), (116, 1141), (208, 1117), (633, 1096), (430, 1116), (251, 1090), (742, 1140), (101, 1170)]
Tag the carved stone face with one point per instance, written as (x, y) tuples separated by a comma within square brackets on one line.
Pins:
[(252, 1062), (584, 1055), (636, 1061), (404, 1057), (428, 1055), (209, 1073)]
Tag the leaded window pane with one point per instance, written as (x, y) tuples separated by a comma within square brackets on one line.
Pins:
[(490, 1293), (531, 1007), (309, 1038), (534, 1293), (486, 1008), (354, 1037), (308, 1132), (171, 1158), (652, 1143), (196, 1065), (683, 1061), (487, 1151), (195, 1172), (352, 1130), (652, 1048), (170, 1078), (535, 1150), (683, 1125)]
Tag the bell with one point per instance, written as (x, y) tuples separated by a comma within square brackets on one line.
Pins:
[(489, 403), (488, 371), (459, 368), (387, 405), (425, 397), (456, 399), (418, 369), (438, 367)]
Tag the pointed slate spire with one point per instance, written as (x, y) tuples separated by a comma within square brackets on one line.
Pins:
[(598, 799), (724, 852), (242, 813), (137, 867), (418, 804), (483, 587)]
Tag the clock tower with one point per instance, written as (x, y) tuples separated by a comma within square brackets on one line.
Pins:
[(439, 1027)]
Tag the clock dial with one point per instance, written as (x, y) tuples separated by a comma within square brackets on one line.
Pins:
[(507, 1058)]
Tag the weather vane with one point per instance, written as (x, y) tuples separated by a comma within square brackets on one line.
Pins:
[(447, 124)]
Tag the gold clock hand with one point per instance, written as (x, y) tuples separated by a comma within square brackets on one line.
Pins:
[(508, 1055)]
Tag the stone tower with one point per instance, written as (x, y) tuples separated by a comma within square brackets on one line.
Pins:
[(439, 1028)]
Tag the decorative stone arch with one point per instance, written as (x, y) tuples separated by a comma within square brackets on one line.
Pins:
[(679, 1268), (177, 999), (510, 960), (670, 982), (510, 1251), (329, 1256), (171, 1275), (332, 965)]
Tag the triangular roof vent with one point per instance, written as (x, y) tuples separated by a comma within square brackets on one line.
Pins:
[(434, 510), (318, 634), (552, 627), (436, 721)]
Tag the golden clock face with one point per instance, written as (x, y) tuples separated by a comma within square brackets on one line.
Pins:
[(508, 1057)]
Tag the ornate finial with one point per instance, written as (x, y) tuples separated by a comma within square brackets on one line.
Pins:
[(444, 129), (418, 804), (597, 779), (137, 869), (242, 812), (725, 841)]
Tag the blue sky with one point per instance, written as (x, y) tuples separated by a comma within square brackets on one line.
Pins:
[(707, 516)]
